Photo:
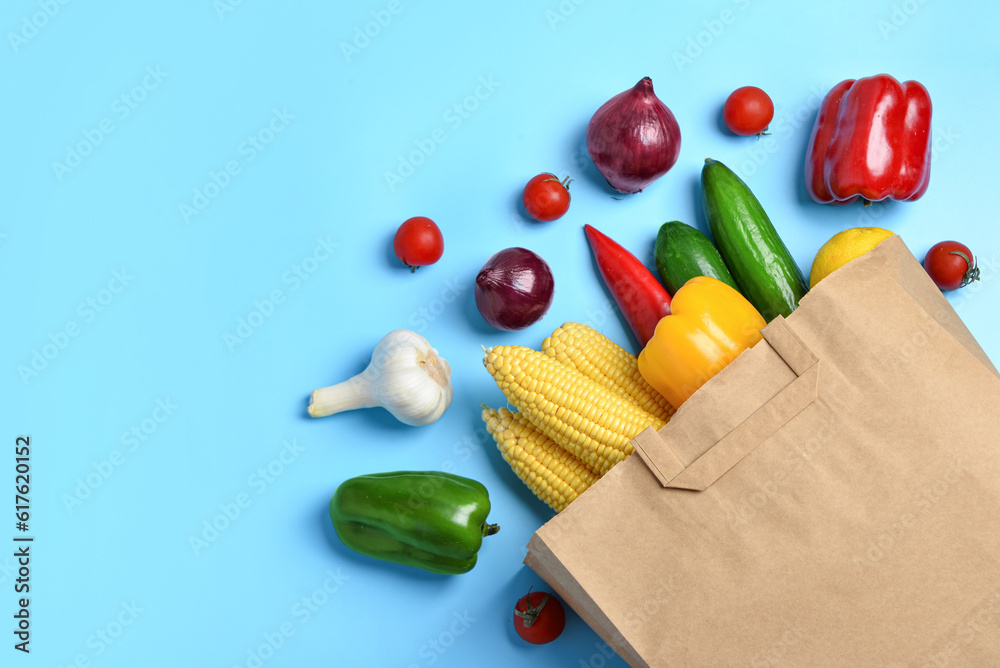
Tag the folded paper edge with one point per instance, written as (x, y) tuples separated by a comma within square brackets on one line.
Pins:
[(747, 436), (555, 574), (789, 346), (700, 474), (658, 457)]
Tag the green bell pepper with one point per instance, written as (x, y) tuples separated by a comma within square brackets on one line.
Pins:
[(428, 519)]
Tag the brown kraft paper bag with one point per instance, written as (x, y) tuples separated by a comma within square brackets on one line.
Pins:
[(831, 498)]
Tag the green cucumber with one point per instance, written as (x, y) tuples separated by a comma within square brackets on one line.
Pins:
[(683, 252), (757, 258)]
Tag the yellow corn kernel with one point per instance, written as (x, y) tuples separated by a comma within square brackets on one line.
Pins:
[(602, 360), (590, 421), (551, 473)]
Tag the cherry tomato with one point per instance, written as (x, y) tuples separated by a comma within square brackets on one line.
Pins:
[(539, 617), (546, 198), (951, 265), (418, 242), (748, 111)]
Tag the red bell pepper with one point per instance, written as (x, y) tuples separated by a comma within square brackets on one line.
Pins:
[(640, 297), (871, 139)]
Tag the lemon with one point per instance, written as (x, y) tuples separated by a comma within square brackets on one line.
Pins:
[(844, 247)]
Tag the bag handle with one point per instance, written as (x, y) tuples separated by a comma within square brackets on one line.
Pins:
[(751, 432)]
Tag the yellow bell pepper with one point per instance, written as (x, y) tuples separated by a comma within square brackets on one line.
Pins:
[(709, 325)]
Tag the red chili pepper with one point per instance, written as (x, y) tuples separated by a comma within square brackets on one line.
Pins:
[(871, 139), (640, 297)]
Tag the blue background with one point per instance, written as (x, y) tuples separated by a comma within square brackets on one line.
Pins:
[(123, 298)]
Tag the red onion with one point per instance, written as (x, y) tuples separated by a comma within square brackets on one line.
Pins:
[(514, 289), (633, 138)]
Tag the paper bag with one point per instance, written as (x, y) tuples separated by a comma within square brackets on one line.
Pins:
[(831, 498)]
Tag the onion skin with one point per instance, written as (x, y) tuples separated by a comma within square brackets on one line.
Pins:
[(514, 289), (634, 138)]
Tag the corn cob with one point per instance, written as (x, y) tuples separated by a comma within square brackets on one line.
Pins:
[(599, 358), (593, 423), (551, 473)]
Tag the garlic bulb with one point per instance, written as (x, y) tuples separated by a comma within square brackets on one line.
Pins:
[(406, 376)]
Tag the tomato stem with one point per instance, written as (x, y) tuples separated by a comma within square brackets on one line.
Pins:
[(564, 183), (531, 613), (972, 273)]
